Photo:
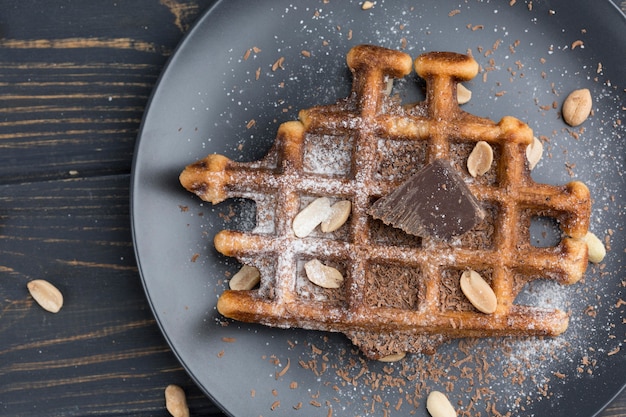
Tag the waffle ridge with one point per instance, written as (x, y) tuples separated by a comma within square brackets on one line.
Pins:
[(400, 292)]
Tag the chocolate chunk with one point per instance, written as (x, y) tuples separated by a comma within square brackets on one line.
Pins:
[(433, 202)]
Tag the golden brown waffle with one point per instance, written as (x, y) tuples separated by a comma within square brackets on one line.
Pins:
[(401, 292)]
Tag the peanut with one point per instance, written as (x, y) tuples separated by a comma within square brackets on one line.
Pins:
[(339, 213), (246, 279), (311, 216), (438, 405), (463, 94), (595, 248), (175, 401), (480, 159), (323, 275), (394, 357), (534, 151), (577, 107), (478, 292), (46, 295)]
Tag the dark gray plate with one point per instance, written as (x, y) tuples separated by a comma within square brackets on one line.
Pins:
[(204, 103)]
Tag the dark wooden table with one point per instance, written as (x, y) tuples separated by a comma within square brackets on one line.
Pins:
[(75, 77)]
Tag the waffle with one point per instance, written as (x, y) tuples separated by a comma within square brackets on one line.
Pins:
[(400, 292)]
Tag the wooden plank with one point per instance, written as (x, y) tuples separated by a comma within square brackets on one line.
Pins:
[(103, 352), (75, 79), (70, 118)]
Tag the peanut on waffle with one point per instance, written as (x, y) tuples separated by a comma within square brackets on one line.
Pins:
[(400, 292)]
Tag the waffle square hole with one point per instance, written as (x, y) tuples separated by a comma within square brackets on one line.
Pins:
[(260, 215), (451, 296), (398, 159), (539, 229), (237, 214), (460, 151), (267, 269), (306, 290), (545, 232), (542, 294), (394, 286), (328, 155)]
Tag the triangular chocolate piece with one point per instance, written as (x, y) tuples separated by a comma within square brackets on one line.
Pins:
[(434, 202)]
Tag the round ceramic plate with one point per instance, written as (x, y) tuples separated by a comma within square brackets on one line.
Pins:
[(248, 66)]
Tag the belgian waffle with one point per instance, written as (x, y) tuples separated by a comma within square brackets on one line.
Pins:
[(401, 292)]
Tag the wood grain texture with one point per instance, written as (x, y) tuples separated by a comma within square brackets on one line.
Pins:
[(74, 81), (75, 77), (103, 352)]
